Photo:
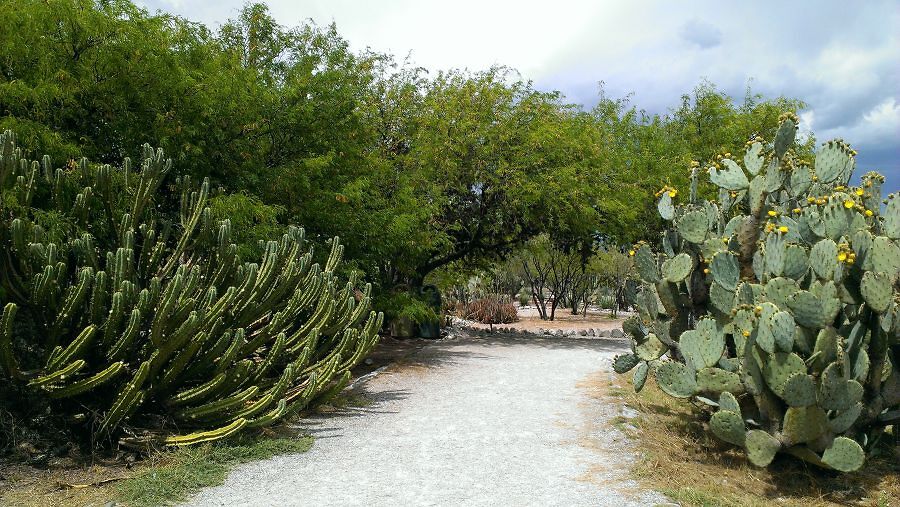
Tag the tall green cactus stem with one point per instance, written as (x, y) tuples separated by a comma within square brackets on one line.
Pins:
[(143, 313), (782, 300)]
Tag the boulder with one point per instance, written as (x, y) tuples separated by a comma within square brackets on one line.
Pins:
[(617, 333)]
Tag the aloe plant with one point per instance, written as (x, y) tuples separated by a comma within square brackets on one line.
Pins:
[(777, 304)]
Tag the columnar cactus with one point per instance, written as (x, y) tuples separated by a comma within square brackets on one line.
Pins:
[(128, 315), (777, 306)]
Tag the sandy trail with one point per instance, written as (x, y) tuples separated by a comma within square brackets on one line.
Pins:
[(503, 420)]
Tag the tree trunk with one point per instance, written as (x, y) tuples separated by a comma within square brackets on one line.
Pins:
[(540, 304)]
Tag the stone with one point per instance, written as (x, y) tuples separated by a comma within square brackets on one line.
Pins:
[(617, 333)]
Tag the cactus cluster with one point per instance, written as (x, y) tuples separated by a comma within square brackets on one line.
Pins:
[(126, 304), (777, 305)]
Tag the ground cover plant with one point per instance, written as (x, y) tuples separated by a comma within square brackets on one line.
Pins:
[(128, 314), (777, 305)]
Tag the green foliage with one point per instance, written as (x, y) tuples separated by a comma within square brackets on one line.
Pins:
[(413, 171), (780, 299), (403, 305), (185, 471), (252, 221), (138, 311)]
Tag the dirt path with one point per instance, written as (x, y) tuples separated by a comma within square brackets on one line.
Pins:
[(471, 421)]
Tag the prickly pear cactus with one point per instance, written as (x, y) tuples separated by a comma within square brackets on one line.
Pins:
[(779, 300), (124, 313)]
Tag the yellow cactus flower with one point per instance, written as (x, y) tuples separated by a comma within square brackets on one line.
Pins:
[(706, 270), (773, 213), (859, 191), (848, 204), (631, 253), (839, 188), (842, 256), (869, 213), (797, 210), (673, 193), (850, 261), (783, 229), (810, 200), (745, 333)]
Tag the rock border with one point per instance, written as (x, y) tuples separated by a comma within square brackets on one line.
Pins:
[(470, 327)]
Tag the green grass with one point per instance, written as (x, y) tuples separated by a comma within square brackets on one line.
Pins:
[(180, 473)]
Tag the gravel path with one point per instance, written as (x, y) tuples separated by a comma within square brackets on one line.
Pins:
[(470, 421)]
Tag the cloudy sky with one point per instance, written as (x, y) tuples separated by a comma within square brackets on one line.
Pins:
[(842, 58)]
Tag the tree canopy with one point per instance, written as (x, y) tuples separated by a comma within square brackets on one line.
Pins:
[(415, 170)]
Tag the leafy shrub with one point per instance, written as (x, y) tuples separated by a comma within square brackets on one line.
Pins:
[(405, 305), (777, 305), (126, 304), (524, 297), (492, 309)]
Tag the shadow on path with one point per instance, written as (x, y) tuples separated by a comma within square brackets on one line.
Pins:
[(444, 353)]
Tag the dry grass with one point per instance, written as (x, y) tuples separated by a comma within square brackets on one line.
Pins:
[(681, 459), (63, 484)]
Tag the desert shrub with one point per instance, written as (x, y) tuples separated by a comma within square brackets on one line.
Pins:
[(492, 309), (126, 306), (777, 305)]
